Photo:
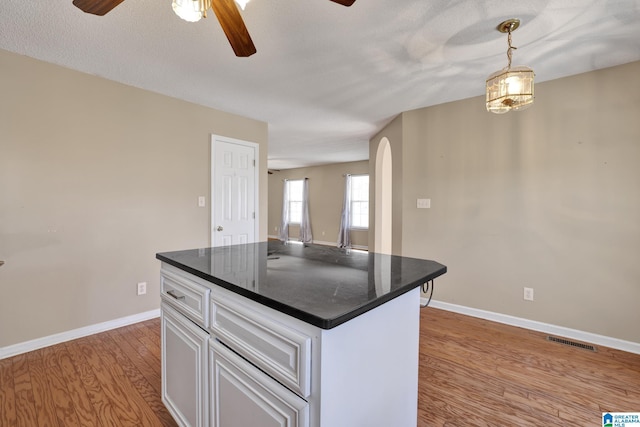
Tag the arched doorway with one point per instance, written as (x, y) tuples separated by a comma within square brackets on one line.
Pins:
[(383, 206)]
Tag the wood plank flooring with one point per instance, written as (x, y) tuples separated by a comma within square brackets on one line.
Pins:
[(472, 373), (479, 373), (107, 379)]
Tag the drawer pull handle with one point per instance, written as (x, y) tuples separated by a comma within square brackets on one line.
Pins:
[(173, 294)]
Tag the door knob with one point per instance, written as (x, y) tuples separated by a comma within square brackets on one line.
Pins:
[(219, 228), (1, 263)]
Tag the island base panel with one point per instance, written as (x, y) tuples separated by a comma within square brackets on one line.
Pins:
[(370, 367)]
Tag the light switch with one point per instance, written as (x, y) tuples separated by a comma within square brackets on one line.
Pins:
[(424, 203), (201, 202)]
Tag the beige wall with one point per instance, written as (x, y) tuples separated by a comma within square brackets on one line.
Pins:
[(326, 192), (95, 178), (547, 198)]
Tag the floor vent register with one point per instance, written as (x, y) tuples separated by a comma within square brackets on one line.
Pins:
[(571, 343)]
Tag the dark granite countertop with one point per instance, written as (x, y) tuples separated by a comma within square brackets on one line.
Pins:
[(321, 285)]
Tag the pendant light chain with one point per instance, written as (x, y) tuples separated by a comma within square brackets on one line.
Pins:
[(509, 53)]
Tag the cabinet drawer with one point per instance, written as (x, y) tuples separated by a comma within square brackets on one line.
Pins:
[(186, 295), (280, 351)]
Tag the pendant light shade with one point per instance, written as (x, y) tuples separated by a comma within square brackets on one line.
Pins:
[(512, 87)]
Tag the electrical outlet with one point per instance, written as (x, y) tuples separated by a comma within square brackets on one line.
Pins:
[(423, 203), (142, 288), (528, 294), (201, 201)]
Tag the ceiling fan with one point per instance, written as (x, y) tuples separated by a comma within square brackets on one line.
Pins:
[(226, 11)]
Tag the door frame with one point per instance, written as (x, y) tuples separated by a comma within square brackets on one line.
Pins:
[(215, 139)]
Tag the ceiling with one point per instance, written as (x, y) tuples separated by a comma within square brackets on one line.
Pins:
[(326, 77)]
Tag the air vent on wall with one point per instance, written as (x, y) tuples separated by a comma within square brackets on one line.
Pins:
[(571, 343)]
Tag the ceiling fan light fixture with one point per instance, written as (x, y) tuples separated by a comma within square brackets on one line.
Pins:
[(191, 10), (512, 87), (242, 3)]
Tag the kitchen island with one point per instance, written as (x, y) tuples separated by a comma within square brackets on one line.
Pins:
[(272, 334)]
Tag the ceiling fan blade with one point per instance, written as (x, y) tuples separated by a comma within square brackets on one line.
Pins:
[(344, 2), (96, 7), (233, 26)]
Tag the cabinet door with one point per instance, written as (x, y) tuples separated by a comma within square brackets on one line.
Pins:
[(184, 369), (242, 395)]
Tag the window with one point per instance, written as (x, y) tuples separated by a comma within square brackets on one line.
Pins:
[(295, 201), (360, 201)]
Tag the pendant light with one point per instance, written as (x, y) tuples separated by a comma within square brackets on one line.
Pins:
[(512, 87)]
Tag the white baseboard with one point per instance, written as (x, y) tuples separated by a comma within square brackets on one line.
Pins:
[(547, 328), (320, 242), (24, 347), (359, 247)]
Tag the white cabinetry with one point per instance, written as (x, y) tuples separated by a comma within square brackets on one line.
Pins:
[(242, 395), (363, 372), (248, 365), (184, 368), (260, 365), (186, 293), (185, 343), (275, 347)]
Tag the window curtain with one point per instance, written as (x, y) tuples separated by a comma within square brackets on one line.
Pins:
[(305, 225), (344, 235), (284, 223)]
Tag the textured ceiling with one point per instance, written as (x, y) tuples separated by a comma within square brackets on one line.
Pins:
[(325, 77)]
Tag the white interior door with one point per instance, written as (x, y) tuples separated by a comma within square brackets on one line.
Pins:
[(234, 184)]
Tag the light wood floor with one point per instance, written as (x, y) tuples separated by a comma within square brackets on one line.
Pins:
[(472, 373)]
